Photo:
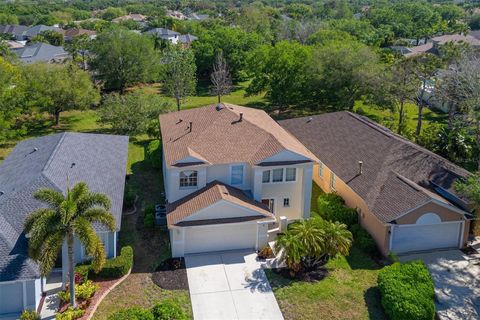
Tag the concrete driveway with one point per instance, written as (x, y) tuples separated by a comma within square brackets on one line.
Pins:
[(230, 285), (457, 280)]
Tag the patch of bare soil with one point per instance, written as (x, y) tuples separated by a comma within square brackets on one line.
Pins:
[(307, 276), (171, 274)]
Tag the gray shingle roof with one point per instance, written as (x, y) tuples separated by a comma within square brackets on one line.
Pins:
[(99, 160), (397, 174), (40, 52), (187, 38), (162, 32), (17, 31), (35, 30)]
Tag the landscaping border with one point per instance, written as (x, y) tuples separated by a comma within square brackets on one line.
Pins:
[(105, 294)]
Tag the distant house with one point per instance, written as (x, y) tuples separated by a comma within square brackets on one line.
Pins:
[(35, 30), (56, 162), (176, 15), (41, 52), (187, 39), (69, 34), (17, 32), (198, 17), (14, 44), (165, 34), (434, 44), (139, 18)]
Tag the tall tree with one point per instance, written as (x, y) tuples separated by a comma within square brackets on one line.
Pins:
[(220, 77), (426, 66), (55, 88), (180, 79), (78, 48), (122, 58), (66, 218)]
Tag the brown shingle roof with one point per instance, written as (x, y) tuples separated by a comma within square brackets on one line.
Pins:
[(217, 136), (211, 194), (397, 174)]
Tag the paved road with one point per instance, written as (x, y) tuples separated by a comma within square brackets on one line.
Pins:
[(457, 283), (230, 285)]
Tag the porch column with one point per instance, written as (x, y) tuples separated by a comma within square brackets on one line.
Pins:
[(257, 183), (307, 190)]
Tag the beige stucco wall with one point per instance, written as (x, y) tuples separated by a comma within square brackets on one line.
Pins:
[(378, 229)]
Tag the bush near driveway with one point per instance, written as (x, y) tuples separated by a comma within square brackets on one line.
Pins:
[(331, 207), (407, 291), (113, 268)]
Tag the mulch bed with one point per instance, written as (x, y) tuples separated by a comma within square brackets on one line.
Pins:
[(307, 276), (171, 274)]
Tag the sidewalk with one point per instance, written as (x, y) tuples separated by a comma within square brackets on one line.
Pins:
[(51, 303)]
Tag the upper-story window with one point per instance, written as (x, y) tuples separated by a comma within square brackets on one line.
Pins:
[(266, 176), (291, 174), (188, 179), (236, 174), (321, 169), (277, 175)]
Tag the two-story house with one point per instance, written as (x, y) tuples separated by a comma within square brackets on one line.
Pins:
[(230, 172)]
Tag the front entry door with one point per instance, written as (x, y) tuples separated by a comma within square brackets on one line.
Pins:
[(270, 203)]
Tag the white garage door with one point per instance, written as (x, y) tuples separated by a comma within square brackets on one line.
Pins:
[(221, 237), (11, 297), (406, 238)]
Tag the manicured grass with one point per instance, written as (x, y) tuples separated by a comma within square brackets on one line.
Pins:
[(348, 292)]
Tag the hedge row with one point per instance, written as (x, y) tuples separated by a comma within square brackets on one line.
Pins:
[(331, 207), (113, 268), (407, 291), (364, 240)]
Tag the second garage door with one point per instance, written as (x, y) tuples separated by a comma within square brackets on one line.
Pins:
[(407, 238), (220, 237)]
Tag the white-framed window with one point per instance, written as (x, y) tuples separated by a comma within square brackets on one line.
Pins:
[(277, 175), (333, 179), (290, 174), (286, 202), (266, 176), (321, 169), (236, 175), (188, 179)]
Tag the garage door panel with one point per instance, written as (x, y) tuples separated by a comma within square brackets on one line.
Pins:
[(220, 238), (11, 297), (425, 237)]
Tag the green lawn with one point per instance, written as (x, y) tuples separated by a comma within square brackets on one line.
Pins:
[(348, 292)]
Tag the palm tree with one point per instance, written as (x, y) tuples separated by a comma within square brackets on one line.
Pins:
[(65, 218), (336, 239), (291, 250)]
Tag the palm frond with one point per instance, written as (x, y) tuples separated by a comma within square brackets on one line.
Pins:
[(40, 229), (35, 216), (50, 196), (49, 253), (79, 190), (98, 257), (93, 199), (67, 210), (86, 234), (100, 215)]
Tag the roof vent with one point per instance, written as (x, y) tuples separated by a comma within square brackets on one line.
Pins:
[(309, 120), (241, 116), (191, 123), (360, 167), (35, 149), (219, 107), (2, 193), (72, 165)]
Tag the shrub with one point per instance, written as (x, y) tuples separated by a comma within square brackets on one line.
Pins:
[(407, 291), (134, 313), (70, 314), (29, 315), (265, 253), (331, 207), (129, 197), (149, 217), (82, 272), (153, 154), (363, 240), (168, 310), (113, 268), (83, 291)]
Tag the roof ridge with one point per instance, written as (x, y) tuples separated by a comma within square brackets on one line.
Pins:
[(378, 127), (54, 152)]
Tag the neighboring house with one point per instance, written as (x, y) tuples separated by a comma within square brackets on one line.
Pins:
[(41, 52), (404, 193), (16, 31), (230, 172), (35, 30), (434, 44), (165, 34), (131, 16), (175, 15), (187, 39), (11, 44), (57, 162), (69, 34)]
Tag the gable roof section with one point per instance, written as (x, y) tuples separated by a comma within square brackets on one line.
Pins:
[(210, 194), (40, 52), (217, 136), (46, 162), (397, 174)]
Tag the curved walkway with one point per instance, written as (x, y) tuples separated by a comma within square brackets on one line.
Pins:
[(230, 285)]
